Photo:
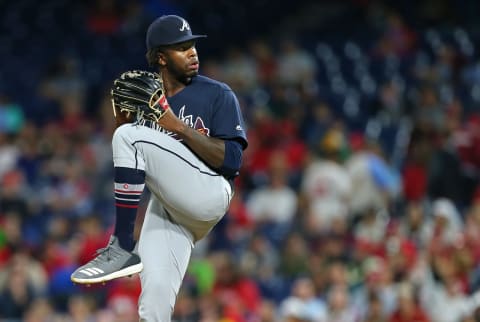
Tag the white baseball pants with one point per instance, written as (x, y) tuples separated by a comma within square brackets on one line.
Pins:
[(187, 200)]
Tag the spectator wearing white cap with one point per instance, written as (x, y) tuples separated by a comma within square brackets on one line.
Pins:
[(445, 224)]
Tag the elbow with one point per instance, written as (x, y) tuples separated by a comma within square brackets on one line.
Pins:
[(232, 160)]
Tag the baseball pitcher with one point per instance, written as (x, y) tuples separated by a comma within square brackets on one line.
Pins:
[(182, 135)]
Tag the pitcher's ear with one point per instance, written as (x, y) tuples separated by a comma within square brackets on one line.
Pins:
[(162, 59)]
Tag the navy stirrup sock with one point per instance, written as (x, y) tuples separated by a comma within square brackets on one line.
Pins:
[(128, 185)]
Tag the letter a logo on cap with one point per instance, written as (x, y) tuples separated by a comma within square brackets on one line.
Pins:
[(185, 25)]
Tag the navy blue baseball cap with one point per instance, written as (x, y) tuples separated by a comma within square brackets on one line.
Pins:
[(169, 30)]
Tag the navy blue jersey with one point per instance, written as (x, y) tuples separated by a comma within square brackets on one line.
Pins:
[(210, 107)]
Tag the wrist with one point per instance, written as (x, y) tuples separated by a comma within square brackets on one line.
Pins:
[(173, 124), (182, 129)]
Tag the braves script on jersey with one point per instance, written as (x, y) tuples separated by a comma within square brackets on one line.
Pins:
[(210, 107)]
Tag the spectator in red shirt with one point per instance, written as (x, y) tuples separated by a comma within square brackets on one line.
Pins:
[(408, 309), (238, 294)]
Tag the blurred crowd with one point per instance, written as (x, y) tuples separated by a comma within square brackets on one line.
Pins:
[(358, 199)]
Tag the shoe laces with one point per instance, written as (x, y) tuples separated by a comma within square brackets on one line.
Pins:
[(109, 252)]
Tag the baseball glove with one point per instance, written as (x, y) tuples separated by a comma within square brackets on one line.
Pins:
[(139, 93)]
